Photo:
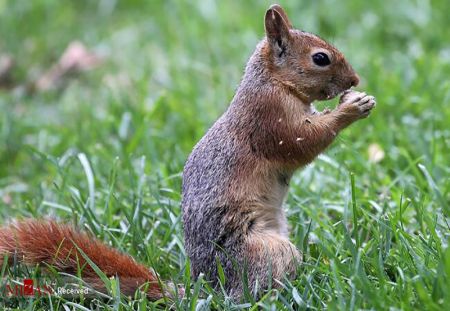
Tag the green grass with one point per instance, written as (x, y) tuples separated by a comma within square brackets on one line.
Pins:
[(106, 153)]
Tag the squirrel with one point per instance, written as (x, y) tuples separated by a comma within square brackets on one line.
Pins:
[(237, 176)]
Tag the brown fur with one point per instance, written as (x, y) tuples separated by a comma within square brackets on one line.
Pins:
[(49, 243)]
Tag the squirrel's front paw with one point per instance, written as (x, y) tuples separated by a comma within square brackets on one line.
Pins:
[(356, 104)]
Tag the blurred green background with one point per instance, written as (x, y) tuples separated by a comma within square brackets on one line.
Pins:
[(168, 70)]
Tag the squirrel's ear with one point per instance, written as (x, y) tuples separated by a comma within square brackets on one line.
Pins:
[(283, 14), (277, 30)]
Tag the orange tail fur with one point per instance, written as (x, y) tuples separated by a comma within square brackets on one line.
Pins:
[(47, 242)]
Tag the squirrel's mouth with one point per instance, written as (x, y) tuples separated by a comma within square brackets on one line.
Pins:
[(327, 95)]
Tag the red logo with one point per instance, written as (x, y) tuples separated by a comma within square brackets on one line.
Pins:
[(28, 289)]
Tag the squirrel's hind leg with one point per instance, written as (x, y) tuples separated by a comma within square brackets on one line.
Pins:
[(269, 257)]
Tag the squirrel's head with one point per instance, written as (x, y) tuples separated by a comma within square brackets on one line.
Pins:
[(308, 65)]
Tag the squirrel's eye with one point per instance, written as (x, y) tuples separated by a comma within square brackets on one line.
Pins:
[(321, 59)]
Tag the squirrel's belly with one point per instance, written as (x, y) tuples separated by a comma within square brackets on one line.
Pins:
[(278, 221)]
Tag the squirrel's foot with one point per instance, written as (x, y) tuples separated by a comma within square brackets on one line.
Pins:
[(356, 104)]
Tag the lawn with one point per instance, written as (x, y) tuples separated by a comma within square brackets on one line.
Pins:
[(105, 151)]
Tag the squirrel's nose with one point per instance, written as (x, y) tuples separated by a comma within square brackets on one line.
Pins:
[(354, 81)]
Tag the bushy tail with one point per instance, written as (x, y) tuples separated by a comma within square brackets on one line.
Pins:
[(47, 242)]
